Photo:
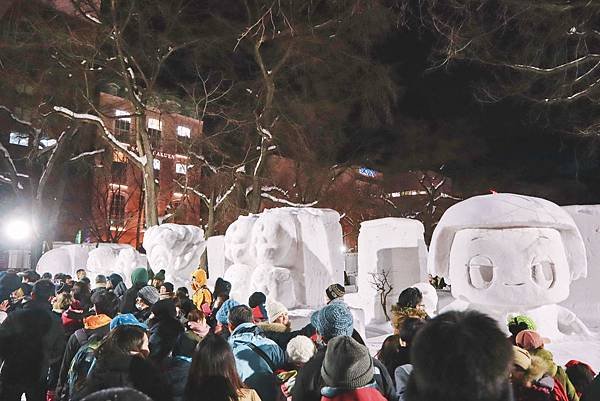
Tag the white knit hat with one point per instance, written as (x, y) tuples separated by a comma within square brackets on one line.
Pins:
[(274, 309), (300, 349)]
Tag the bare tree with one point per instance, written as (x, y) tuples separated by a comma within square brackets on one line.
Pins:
[(380, 282)]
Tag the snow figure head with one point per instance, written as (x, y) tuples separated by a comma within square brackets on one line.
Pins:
[(238, 240), (275, 239), (507, 250), (175, 248)]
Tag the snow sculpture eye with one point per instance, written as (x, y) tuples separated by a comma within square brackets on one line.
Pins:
[(481, 271), (542, 273)]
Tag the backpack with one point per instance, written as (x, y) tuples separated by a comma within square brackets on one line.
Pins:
[(81, 365)]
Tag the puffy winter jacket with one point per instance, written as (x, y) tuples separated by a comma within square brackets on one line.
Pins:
[(252, 367)]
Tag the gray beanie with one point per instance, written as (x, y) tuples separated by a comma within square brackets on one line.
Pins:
[(149, 294), (347, 364)]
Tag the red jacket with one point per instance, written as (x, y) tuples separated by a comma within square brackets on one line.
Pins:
[(359, 394)]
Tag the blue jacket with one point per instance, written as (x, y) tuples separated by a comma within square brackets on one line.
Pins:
[(252, 367)]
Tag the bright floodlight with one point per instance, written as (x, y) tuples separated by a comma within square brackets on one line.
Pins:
[(17, 230)]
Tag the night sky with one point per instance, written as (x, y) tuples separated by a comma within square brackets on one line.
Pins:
[(508, 146)]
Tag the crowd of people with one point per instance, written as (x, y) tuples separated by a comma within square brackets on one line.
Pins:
[(66, 338)]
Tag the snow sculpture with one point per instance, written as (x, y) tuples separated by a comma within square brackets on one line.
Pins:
[(391, 253), (217, 263), (238, 250), (290, 254), (127, 261), (509, 254), (175, 248), (65, 259), (584, 298), (114, 258)]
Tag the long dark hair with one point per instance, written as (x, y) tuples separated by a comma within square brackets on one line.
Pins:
[(122, 340), (213, 375)]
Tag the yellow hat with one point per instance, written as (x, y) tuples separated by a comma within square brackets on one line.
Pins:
[(200, 277), (521, 358)]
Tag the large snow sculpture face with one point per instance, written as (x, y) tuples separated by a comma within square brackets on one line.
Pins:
[(519, 266), (275, 239), (238, 240)]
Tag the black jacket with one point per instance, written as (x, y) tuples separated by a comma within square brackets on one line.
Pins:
[(32, 341), (128, 301), (309, 382), (162, 338), (121, 370)]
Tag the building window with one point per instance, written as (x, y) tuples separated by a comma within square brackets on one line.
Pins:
[(118, 173), (122, 126), (156, 164), (19, 139), (181, 168), (154, 132), (184, 137), (117, 210)]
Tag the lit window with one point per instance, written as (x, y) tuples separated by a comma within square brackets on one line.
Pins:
[(156, 164), (122, 125), (154, 131), (119, 113), (44, 143), (119, 156), (395, 194), (181, 168), (17, 138), (184, 131), (117, 210)]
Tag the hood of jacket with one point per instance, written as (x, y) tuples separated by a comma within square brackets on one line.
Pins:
[(274, 327)]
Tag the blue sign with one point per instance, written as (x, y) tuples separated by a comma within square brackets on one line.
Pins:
[(367, 172)]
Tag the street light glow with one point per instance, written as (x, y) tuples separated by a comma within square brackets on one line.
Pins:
[(17, 229)]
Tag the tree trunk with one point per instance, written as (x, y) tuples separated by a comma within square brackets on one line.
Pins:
[(145, 150)]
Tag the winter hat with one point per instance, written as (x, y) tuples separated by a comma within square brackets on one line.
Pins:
[(164, 309), (335, 291), (126, 319), (223, 312), (530, 340), (275, 309), (300, 349), (522, 320), (160, 275), (200, 277), (10, 282), (521, 357), (347, 364), (257, 298), (314, 320), (100, 279), (115, 279), (222, 287), (139, 276), (149, 294), (335, 320)]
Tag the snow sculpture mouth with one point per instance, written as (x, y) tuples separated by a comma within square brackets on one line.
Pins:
[(514, 284)]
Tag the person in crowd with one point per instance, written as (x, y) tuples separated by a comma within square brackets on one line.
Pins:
[(278, 328), (72, 318), (196, 329), (184, 307), (390, 354), (581, 375), (410, 304), (401, 373), (47, 276), (222, 318), (94, 326), (166, 291), (147, 296), (256, 357), (101, 282), (115, 284), (139, 279), (32, 342), (298, 352), (121, 361), (29, 277), (335, 292), (527, 377), (460, 356), (257, 302), (9, 282), (517, 324), (332, 321), (61, 302), (347, 372), (80, 274), (182, 293), (19, 297), (214, 376), (202, 298), (69, 280), (164, 329), (533, 342), (158, 279)]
